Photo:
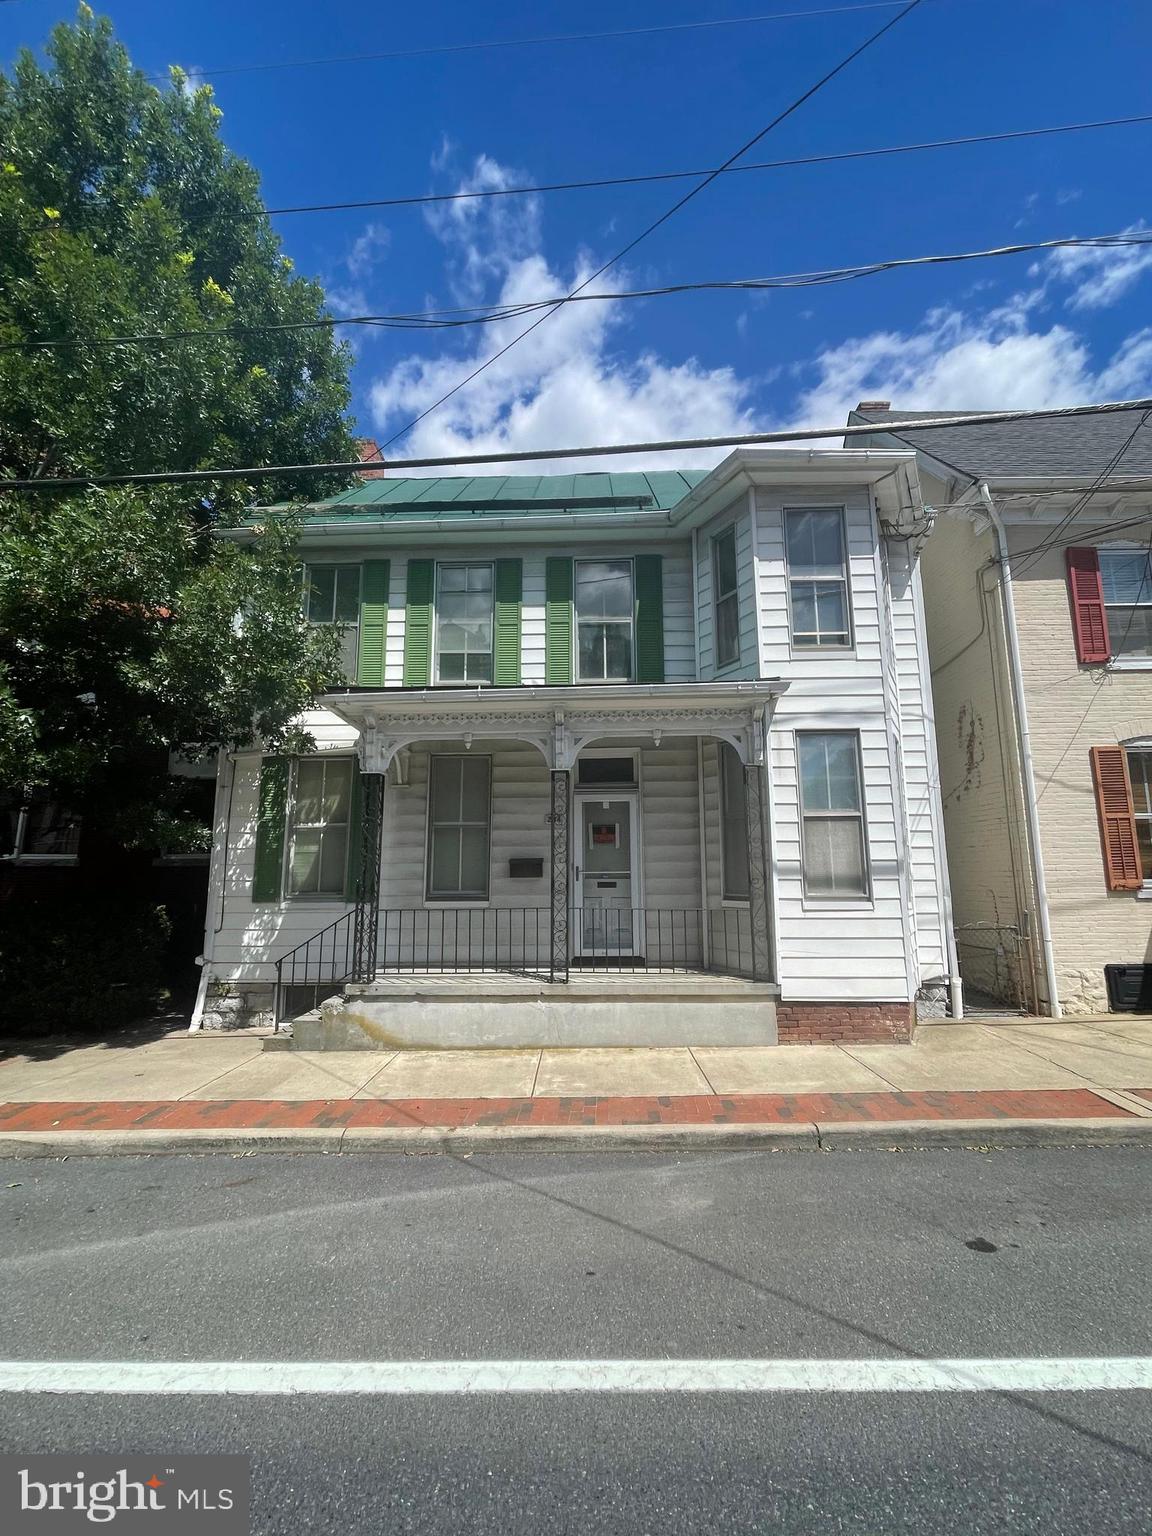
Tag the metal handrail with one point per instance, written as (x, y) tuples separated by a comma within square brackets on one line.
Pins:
[(301, 957)]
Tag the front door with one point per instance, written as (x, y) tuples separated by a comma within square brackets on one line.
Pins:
[(606, 920)]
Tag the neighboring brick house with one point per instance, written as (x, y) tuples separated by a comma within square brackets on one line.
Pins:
[(623, 758), (1046, 766)]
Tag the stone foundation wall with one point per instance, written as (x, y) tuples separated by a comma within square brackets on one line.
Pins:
[(833, 1023), (238, 1005)]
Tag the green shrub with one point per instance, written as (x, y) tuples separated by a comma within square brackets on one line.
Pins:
[(79, 964)]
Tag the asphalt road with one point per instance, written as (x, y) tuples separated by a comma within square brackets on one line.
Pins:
[(861, 1255)]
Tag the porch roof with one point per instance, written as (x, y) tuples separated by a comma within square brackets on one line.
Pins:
[(559, 721)]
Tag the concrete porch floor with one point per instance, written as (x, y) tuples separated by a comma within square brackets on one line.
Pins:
[(1112, 1056)]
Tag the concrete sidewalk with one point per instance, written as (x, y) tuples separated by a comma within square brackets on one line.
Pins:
[(202, 1088)]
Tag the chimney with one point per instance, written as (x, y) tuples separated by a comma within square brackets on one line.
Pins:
[(368, 452), (874, 405)]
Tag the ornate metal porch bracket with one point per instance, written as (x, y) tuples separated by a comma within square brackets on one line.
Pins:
[(757, 874), (561, 800), (366, 932)]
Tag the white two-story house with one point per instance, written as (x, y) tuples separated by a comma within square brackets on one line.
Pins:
[(622, 758)]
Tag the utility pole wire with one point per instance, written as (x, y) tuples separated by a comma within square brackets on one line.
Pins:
[(532, 42), (732, 170), (669, 213), (450, 319), (529, 455)]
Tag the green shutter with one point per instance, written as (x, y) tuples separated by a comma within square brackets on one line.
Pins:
[(649, 618), (373, 623), (355, 828), (271, 817), (558, 619), (418, 624), (508, 584)]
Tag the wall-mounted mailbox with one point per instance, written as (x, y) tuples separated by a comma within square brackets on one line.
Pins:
[(525, 869)]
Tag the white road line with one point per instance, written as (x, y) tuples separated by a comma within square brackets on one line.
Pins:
[(1122, 1373)]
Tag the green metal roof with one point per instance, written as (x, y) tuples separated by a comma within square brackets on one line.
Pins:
[(508, 495)]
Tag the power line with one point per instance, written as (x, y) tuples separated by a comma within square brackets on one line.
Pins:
[(669, 213), (450, 319), (731, 170), (1067, 521), (531, 42), (527, 455)]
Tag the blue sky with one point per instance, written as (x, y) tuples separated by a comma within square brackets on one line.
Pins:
[(1011, 332)]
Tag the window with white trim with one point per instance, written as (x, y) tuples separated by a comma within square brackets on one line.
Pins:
[(726, 598), (33, 826), (1140, 775), (733, 826), (319, 825), (817, 577), (605, 608), (459, 827), (832, 814), (332, 596), (463, 623), (1126, 578)]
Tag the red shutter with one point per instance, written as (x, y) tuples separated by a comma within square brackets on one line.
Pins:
[(1117, 824), (1086, 594)]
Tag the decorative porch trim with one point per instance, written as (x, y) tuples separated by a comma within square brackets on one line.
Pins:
[(365, 938), (559, 722), (561, 801), (758, 896)]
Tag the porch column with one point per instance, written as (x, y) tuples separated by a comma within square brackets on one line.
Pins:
[(366, 922), (758, 897), (561, 895)]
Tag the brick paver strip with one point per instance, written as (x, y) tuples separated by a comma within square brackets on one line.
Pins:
[(648, 1109)]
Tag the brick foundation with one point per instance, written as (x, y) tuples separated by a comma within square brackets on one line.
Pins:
[(830, 1023)]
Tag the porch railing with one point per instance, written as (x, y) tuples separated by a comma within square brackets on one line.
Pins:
[(327, 959), (519, 940)]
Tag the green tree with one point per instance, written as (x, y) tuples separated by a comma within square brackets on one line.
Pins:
[(126, 628)]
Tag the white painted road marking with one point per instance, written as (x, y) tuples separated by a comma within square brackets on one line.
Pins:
[(1123, 1373)]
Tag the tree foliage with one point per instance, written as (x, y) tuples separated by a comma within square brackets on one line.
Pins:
[(126, 627)]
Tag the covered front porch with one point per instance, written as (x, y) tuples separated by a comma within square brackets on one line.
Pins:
[(573, 842)]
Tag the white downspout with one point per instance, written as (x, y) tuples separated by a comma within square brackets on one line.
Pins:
[(217, 875), (1031, 808)]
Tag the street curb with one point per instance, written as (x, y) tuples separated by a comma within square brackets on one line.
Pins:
[(896, 1135)]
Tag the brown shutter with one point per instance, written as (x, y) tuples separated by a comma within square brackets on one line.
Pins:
[(1117, 823), (1086, 594)]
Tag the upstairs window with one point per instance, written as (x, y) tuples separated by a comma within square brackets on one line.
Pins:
[(726, 600), (34, 827), (319, 818), (332, 596), (832, 814), (1126, 579), (734, 825), (605, 607), (464, 623), (817, 578)]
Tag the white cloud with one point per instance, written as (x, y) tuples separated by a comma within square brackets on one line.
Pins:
[(1101, 274), (573, 379), (564, 383), (368, 249), (955, 360)]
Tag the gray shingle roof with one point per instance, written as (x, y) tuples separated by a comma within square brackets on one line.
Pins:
[(1077, 445)]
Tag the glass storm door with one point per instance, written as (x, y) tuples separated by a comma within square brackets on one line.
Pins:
[(604, 864)]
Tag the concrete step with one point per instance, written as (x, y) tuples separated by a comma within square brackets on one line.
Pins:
[(453, 1013)]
